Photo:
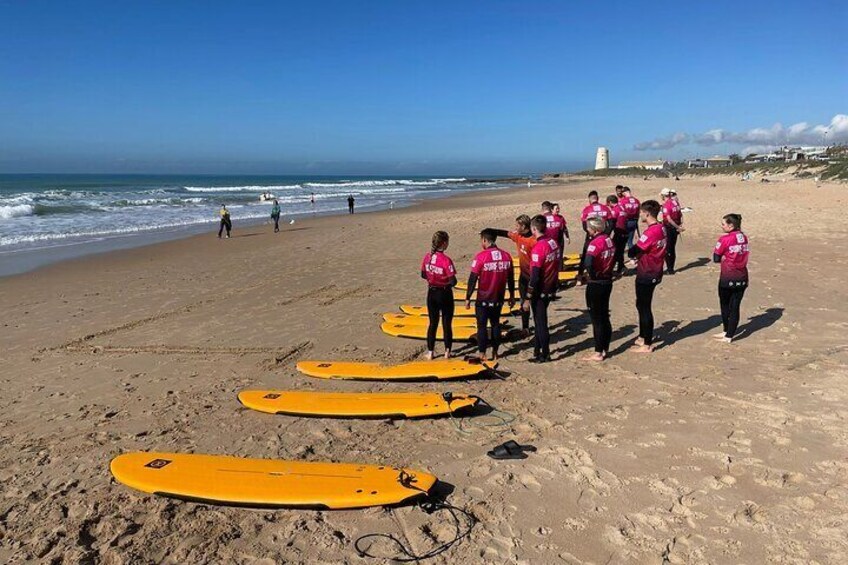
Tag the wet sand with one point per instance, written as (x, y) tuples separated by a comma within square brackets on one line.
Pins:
[(701, 452)]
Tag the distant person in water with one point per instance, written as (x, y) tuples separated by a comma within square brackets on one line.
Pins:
[(226, 222), (350, 202), (275, 215)]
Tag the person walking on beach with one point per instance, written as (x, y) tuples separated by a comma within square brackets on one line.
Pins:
[(439, 272), (672, 219), (600, 256), (350, 203), (275, 215), (593, 210), (732, 252), (630, 205), (492, 270), (544, 275), (649, 255), (524, 241), (226, 222)]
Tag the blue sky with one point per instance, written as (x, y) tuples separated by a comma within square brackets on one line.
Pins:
[(400, 87)]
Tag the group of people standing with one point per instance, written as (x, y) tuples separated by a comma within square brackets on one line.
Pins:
[(613, 246)]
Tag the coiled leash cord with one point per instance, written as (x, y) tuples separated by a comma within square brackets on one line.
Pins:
[(406, 554), (501, 418)]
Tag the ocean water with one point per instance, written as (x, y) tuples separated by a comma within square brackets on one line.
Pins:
[(43, 212)]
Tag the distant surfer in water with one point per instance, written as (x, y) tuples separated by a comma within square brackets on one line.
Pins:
[(226, 222), (544, 279), (439, 272), (492, 269), (350, 202), (524, 241), (275, 215), (599, 259)]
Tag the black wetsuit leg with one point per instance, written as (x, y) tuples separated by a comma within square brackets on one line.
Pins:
[(522, 291), (644, 298), (276, 223), (731, 301), (438, 301), (542, 339), (619, 239), (598, 299), (582, 268), (482, 315), (229, 225), (670, 248), (221, 228)]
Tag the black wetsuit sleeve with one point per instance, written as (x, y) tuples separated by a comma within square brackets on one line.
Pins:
[(716, 258), (634, 252), (535, 278), (472, 284), (565, 232), (500, 233), (510, 283), (453, 281), (423, 274), (589, 265), (610, 225), (584, 227)]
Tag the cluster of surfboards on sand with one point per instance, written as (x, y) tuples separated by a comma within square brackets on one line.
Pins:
[(412, 321), (266, 483)]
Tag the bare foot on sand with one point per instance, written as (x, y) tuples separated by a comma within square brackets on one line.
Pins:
[(595, 357), (429, 355), (642, 348), (719, 335), (639, 342)]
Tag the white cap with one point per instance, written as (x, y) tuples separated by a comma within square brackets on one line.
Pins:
[(667, 192)]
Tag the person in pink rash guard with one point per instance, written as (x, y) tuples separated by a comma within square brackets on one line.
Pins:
[(732, 251), (440, 273), (491, 274), (649, 254)]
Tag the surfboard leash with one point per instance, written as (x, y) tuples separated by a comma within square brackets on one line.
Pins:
[(406, 555), (502, 418)]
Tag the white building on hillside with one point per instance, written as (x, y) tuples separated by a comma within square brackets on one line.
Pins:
[(657, 165)]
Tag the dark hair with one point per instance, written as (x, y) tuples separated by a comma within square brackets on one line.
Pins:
[(625, 189), (593, 193), (524, 220), (554, 205), (440, 238), (540, 223), (612, 199), (652, 207), (547, 205), (734, 220), (489, 235), (619, 186)]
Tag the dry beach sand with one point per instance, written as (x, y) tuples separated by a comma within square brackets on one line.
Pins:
[(699, 453)]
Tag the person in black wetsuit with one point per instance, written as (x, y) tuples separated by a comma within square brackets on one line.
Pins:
[(440, 273), (649, 255), (600, 256), (226, 222), (350, 203), (732, 251), (524, 242)]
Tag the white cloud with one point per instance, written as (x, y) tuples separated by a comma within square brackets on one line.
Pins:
[(775, 136)]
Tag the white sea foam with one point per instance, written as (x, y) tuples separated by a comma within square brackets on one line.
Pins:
[(251, 188), (16, 210)]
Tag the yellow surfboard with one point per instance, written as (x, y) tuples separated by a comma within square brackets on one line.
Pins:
[(566, 276), (420, 332), (438, 369), (355, 404), (397, 318), (459, 310), (268, 483)]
